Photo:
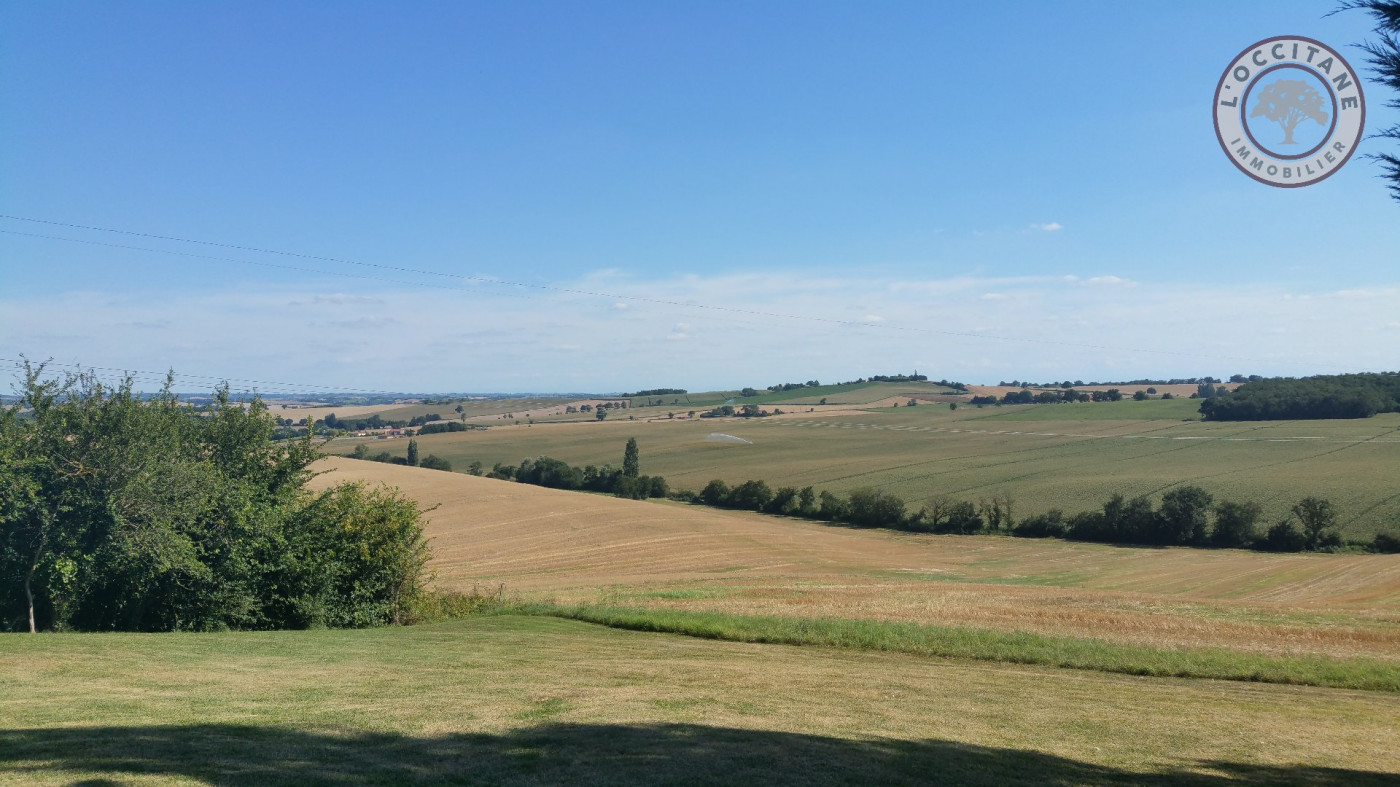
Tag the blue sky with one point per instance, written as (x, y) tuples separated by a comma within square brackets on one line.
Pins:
[(913, 184)]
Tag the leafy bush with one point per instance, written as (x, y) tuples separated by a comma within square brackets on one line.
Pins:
[(715, 493), (750, 496), (435, 462), (1050, 524), (119, 513), (875, 508), (1234, 524), (1283, 537), (1386, 542)]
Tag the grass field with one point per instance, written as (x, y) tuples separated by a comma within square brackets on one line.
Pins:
[(546, 701), (1071, 457)]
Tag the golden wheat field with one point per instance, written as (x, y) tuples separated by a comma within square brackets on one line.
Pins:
[(568, 546)]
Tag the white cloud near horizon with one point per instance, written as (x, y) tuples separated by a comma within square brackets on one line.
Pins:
[(741, 329)]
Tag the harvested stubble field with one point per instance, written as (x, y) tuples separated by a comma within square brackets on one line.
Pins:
[(1072, 457), (471, 408), (577, 548)]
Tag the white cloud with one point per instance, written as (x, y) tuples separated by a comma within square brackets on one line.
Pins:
[(433, 340), (1053, 226)]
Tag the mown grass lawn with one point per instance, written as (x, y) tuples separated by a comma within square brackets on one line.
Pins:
[(537, 700)]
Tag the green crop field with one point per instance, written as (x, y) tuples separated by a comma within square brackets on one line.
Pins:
[(545, 701), (473, 407), (1125, 410), (1064, 456)]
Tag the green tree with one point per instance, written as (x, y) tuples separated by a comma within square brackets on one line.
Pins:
[(1317, 516), (122, 513), (627, 486), (750, 495), (1182, 516), (875, 508), (659, 487), (1384, 59), (715, 493), (784, 501), (412, 453), (997, 511), (833, 507), (435, 462), (631, 465), (1284, 537), (601, 414), (1235, 523)]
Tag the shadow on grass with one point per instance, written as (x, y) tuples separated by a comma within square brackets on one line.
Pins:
[(570, 754)]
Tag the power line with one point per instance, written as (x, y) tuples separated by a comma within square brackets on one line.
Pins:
[(111, 371), (570, 290)]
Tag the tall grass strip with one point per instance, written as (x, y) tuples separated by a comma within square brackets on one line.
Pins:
[(987, 645)]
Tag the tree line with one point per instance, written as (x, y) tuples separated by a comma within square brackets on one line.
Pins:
[(123, 514), (1323, 396), (431, 461)]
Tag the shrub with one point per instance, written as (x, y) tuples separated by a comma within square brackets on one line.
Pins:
[(1234, 524), (875, 508), (627, 486), (715, 493), (1050, 524), (832, 507), (784, 501), (750, 496), (963, 518), (435, 462), (1386, 542), (172, 520), (1284, 537), (659, 487)]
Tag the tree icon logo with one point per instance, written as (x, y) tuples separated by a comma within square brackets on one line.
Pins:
[(1289, 102), (1289, 111)]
